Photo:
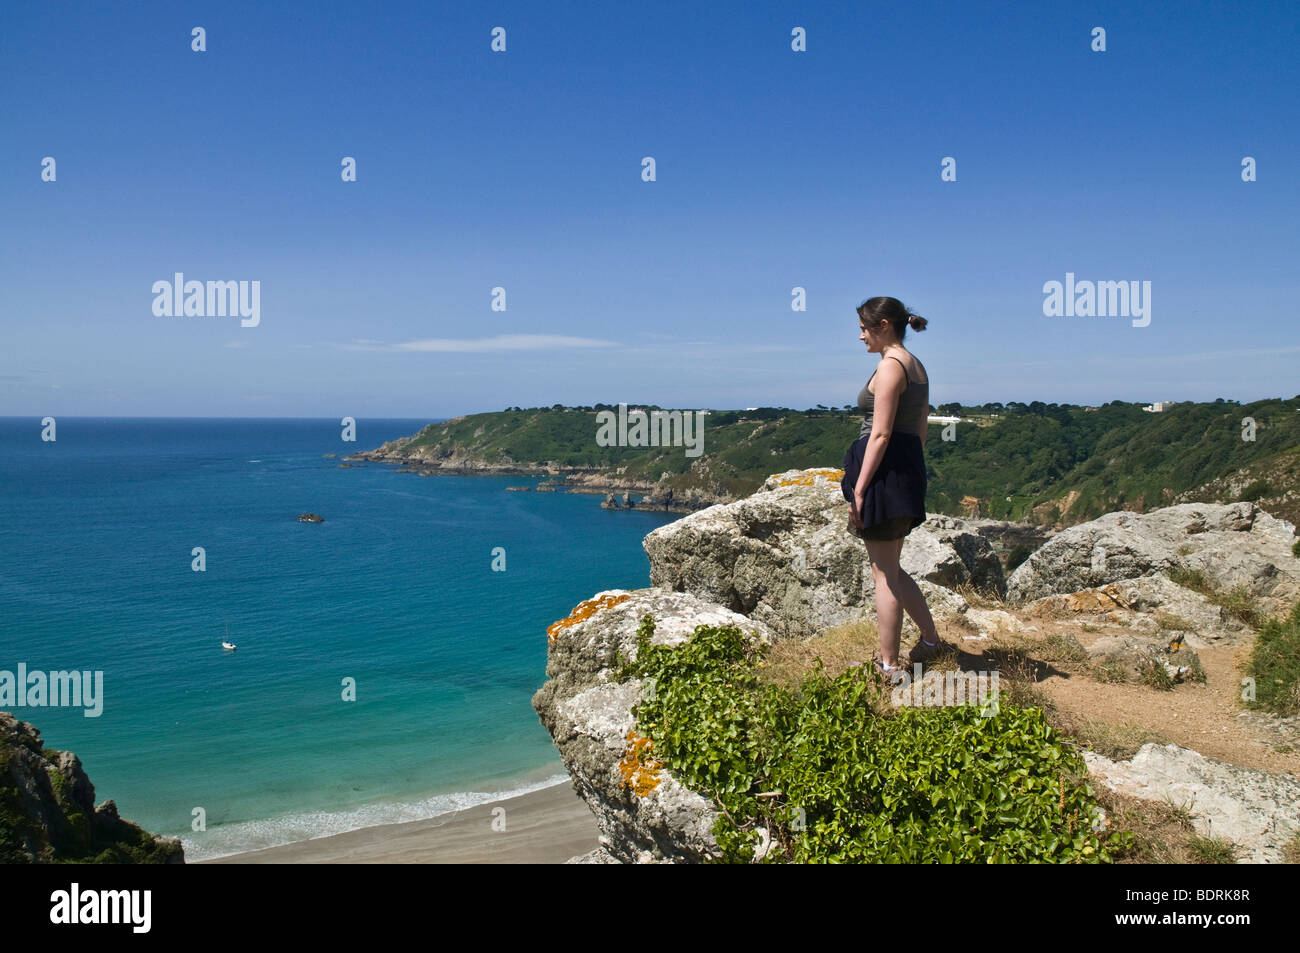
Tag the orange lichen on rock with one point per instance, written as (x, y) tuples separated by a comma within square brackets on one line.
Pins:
[(809, 477), (583, 611), (1102, 599), (640, 771)]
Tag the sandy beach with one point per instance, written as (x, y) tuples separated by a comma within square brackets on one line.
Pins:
[(542, 827)]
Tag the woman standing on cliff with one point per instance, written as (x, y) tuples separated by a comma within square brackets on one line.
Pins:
[(885, 479)]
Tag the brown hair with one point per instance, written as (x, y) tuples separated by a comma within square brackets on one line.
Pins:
[(875, 312)]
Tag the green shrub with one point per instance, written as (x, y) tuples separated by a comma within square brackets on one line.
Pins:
[(1257, 489), (1110, 671), (69, 835), (1169, 622), (1195, 670), (1240, 603), (1190, 578), (832, 781), (1275, 665), (1154, 674), (1213, 850), (1062, 647)]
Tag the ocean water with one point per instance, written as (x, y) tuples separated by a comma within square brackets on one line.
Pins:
[(395, 590)]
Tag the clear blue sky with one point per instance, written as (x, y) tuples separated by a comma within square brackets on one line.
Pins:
[(775, 169)]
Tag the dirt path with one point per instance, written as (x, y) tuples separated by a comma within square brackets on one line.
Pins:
[(1205, 718)]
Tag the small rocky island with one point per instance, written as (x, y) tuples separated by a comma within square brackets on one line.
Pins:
[(311, 518)]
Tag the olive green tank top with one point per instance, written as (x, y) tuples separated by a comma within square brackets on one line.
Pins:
[(913, 403)]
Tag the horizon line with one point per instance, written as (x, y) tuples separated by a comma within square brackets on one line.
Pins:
[(436, 418)]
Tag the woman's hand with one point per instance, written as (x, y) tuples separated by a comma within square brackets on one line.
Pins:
[(856, 507)]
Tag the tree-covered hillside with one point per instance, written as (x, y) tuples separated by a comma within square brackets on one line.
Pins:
[(1047, 463), (1055, 464)]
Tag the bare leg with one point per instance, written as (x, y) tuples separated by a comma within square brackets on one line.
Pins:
[(913, 600), (889, 611)]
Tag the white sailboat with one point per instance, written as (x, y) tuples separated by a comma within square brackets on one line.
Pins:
[(226, 643)]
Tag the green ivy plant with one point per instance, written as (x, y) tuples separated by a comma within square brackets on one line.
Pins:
[(816, 775)]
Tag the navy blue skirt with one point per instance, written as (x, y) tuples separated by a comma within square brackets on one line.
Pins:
[(895, 497)]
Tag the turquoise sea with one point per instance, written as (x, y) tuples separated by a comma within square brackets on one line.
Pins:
[(396, 590)]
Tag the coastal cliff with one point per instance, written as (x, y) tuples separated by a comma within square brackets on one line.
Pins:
[(559, 444), (48, 812), (1128, 610)]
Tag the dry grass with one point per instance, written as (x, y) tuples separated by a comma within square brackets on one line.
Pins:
[(1019, 674), (789, 661), (1061, 647), (961, 621), (1109, 671), (1213, 850), (1238, 602), (1021, 660), (1168, 621), (980, 598), (949, 660), (1162, 831), (1291, 850), (1118, 742), (1154, 675)]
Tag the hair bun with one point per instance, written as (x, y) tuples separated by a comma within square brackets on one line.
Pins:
[(916, 322)]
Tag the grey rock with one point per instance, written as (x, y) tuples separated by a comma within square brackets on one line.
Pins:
[(76, 785), (1151, 604), (1232, 544), (1256, 810), (589, 713), (784, 556), (1137, 654), (598, 856), (1012, 542), (780, 564)]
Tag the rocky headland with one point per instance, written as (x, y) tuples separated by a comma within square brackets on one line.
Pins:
[(48, 812), (1121, 616), (425, 458), (600, 481)]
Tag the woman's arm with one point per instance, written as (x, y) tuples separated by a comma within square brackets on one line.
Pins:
[(890, 382)]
